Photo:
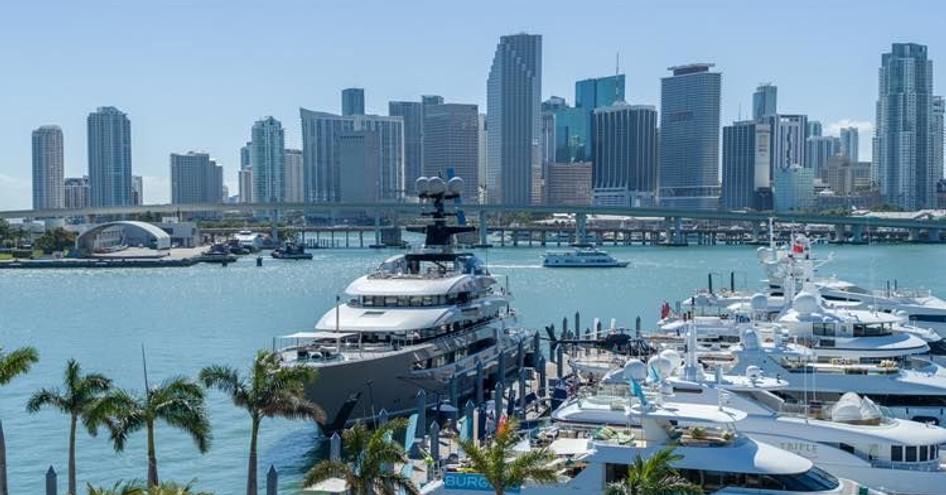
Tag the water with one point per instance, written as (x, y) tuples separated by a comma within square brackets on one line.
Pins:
[(191, 317)]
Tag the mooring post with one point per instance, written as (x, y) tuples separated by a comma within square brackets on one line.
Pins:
[(272, 481), (522, 392), (498, 400), (435, 442), (335, 447), (479, 382), (421, 413), (559, 361), (51, 484), (542, 377), (383, 417)]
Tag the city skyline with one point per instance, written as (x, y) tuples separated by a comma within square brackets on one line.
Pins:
[(838, 93)]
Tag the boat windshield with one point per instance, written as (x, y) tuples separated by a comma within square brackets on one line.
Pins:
[(431, 265)]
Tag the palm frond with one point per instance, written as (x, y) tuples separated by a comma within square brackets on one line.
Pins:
[(326, 469), (16, 363), (47, 397)]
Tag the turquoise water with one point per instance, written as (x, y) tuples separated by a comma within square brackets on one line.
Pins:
[(190, 317)]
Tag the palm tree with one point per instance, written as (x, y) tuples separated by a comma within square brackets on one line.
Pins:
[(269, 390), (502, 468), (178, 402), (654, 476), (12, 364), (136, 488), (80, 401), (368, 461)]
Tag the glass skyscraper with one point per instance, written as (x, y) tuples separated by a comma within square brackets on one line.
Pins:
[(48, 169), (689, 137), (764, 101), (513, 99), (903, 150), (745, 164), (268, 156), (353, 101), (412, 112), (451, 141), (195, 178), (109, 133), (849, 143), (599, 92), (624, 171)]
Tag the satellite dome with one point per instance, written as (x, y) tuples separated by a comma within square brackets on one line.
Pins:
[(421, 184), (674, 357), (663, 365), (455, 185), (435, 185), (805, 303), (636, 369), (851, 408), (759, 302)]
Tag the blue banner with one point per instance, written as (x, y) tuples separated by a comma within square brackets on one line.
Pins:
[(471, 482)]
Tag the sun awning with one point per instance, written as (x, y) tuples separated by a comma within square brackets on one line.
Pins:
[(319, 335)]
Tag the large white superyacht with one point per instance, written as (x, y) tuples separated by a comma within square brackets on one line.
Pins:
[(430, 320)]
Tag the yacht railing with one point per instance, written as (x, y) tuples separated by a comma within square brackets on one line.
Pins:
[(928, 466)]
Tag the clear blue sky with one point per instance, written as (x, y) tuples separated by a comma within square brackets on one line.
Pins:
[(196, 74)]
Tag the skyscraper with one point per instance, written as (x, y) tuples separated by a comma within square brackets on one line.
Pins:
[(789, 140), (514, 91), (245, 156), (815, 129), (745, 164), (295, 177), (624, 171), (76, 192), (358, 158), (353, 101), (431, 99), (109, 146), (412, 112), (794, 189), (195, 178), (245, 180), (689, 137), (903, 150), (939, 112), (451, 140), (483, 163), (268, 156), (599, 92), (574, 126), (137, 190), (820, 150), (849, 143), (764, 101), (320, 131), (48, 169)]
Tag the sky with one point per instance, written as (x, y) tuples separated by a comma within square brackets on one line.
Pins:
[(195, 75)]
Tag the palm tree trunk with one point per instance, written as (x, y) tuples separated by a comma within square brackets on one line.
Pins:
[(72, 456), (251, 474), (3, 463), (152, 458)]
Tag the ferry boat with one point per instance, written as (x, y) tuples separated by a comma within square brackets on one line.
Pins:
[(581, 258), (429, 320)]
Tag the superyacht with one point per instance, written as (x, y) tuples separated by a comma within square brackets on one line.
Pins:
[(428, 320)]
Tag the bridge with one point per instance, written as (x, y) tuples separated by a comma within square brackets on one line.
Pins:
[(857, 224)]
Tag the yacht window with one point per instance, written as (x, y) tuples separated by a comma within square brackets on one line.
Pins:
[(896, 453), (911, 453), (417, 301), (823, 329), (924, 453)]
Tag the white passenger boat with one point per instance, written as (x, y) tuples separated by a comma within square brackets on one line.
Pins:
[(581, 258)]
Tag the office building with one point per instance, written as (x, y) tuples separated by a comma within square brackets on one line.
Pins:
[(624, 171), (849, 143), (137, 190), (903, 161), (939, 109), (48, 168), (245, 180), (689, 137), (482, 165), (431, 100), (195, 178), (295, 177), (353, 101), (109, 147), (514, 91), (76, 192), (359, 160), (320, 131), (746, 168), (794, 189), (568, 184), (789, 140), (412, 113), (268, 156), (845, 177), (764, 101), (451, 141), (599, 92), (820, 150), (245, 156), (815, 129)]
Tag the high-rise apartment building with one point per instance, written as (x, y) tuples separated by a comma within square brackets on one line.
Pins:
[(76, 192), (195, 178), (412, 113), (137, 190), (109, 147), (849, 144), (295, 177), (48, 168), (268, 158), (514, 91), (746, 166), (820, 150), (903, 148), (764, 101), (789, 140), (353, 101), (689, 137)]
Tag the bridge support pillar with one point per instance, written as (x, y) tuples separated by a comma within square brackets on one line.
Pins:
[(483, 229), (857, 234), (840, 233), (675, 234), (377, 228), (756, 232), (581, 229), (913, 235)]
